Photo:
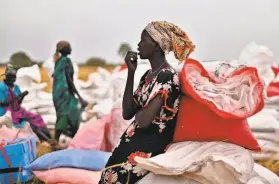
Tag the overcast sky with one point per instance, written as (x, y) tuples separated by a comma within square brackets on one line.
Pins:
[(219, 28)]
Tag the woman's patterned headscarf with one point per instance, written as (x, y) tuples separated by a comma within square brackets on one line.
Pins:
[(59, 47), (171, 38)]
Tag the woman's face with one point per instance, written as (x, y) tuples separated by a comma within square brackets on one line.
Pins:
[(10, 79), (66, 50), (147, 46)]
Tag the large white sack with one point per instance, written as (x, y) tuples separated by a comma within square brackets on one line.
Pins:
[(261, 175), (203, 161), (32, 87), (266, 174), (99, 92), (268, 136), (46, 110), (42, 95), (30, 104), (32, 72), (31, 96), (45, 103), (165, 179), (89, 98), (24, 82), (263, 120), (103, 108), (83, 84), (6, 120), (264, 156), (48, 65), (257, 55), (116, 89), (261, 57), (268, 146), (89, 90), (95, 79), (49, 118), (105, 74)]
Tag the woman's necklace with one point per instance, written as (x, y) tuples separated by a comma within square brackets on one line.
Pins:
[(150, 75), (158, 68)]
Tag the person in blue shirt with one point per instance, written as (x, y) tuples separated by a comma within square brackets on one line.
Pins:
[(10, 100)]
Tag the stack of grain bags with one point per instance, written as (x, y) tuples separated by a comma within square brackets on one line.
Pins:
[(265, 124), (37, 101)]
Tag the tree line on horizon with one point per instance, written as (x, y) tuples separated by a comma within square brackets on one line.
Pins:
[(22, 59)]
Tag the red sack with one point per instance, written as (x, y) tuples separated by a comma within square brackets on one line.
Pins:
[(211, 112), (123, 67), (275, 70), (273, 88)]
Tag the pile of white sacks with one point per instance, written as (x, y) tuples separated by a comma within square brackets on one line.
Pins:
[(265, 124), (94, 91), (37, 101)]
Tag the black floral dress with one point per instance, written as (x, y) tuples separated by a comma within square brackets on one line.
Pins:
[(149, 142)]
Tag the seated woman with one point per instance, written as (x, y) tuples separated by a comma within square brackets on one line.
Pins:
[(11, 98), (154, 103)]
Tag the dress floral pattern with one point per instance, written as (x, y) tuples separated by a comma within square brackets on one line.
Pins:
[(121, 167)]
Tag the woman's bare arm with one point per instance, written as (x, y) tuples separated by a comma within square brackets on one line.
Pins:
[(145, 116), (129, 106)]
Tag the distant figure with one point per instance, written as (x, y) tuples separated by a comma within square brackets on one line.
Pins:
[(63, 91), (11, 98)]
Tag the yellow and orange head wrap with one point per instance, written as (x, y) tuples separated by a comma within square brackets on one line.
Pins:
[(59, 47), (171, 38)]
